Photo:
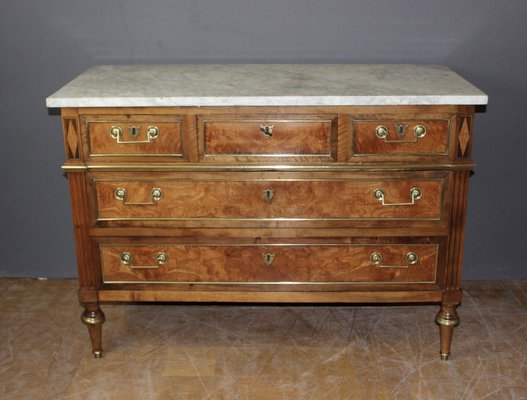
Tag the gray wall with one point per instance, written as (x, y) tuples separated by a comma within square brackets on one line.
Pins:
[(44, 44)]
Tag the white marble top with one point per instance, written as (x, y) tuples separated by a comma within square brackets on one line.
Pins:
[(265, 84)]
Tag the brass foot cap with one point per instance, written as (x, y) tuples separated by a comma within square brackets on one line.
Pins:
[(97, 353), (444, 356)]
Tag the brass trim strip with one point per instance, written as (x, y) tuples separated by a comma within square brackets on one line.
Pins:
[(368, 178), (270, 219), (263, 120), (213, 244), (282, 167), (136, 155), (268, 283), (281, 155)]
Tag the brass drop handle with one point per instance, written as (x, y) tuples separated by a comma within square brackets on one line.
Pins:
[(382, 131), (267, 130), (121, 194), (268, 195), (268, 258), (376, 259), (415, 194), (116, 132), (127, 258)]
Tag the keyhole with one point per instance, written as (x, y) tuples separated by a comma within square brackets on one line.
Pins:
[(268, 258), (134, 131), (268, 195)]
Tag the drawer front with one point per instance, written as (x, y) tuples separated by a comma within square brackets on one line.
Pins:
[(401, 137), (228, 138), (116, 135), (379, 263), (262, 200)]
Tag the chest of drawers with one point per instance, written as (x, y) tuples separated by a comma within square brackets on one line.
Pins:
[(269, 183)]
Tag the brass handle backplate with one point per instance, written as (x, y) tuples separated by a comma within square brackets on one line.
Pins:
[(415, 194), (116, 132), (382, 132), (121, 194), (127, 258), (267, 130), (376, 258)]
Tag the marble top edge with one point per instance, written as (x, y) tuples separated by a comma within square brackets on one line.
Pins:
[(268, 101), (266, 84)]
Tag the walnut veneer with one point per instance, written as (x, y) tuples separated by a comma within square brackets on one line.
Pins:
[(269, 204)]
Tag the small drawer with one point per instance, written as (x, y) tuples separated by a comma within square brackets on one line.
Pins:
[(163, 200), (400, 137), (148, 135), (268, 138), (299, 263)]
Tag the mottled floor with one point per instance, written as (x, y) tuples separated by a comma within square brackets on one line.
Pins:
[(260, 352)]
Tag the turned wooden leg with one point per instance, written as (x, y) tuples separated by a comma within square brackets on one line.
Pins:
[(93, 318), (447, 320)]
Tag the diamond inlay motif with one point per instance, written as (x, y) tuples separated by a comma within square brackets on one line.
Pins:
[(72, 141), (464, 136)]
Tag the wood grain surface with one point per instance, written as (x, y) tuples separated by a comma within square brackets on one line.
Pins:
[(101, 143), (291, 199), (289, 136), (290, 263), (434, 142)]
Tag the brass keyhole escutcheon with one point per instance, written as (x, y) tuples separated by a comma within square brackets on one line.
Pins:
[(268, 195), (401, 130), (134, 131), (268, 258), (267, 130)]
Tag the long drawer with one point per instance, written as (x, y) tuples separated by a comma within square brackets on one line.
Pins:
[(416, 198), (280, 263)]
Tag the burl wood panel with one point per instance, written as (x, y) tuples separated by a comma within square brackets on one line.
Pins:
[(434, 142), (290, 263), (167, 143), (299, 136), (351, 199)]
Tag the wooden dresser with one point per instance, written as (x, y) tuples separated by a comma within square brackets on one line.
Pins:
[(269, 183)]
